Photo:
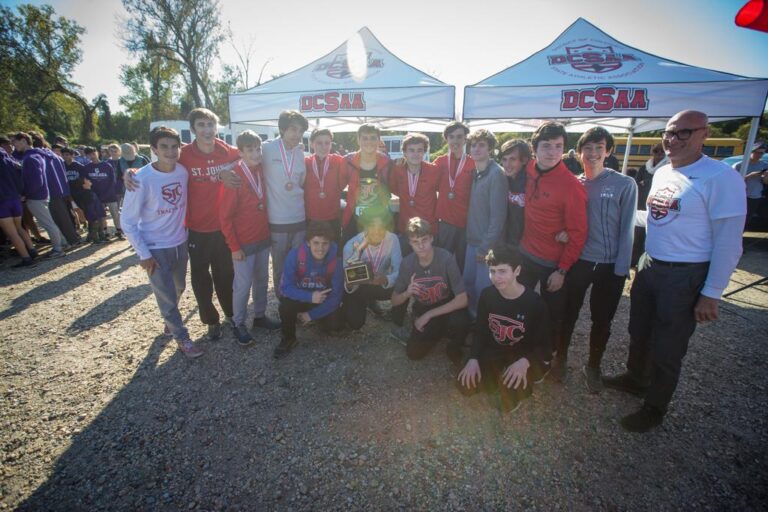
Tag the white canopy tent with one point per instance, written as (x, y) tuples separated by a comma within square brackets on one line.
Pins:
[(360, 81), (587, 78)]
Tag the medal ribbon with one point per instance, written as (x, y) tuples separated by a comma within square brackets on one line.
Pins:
[(376, 260), (315, 170), (452, 180), (413, 182), (255, 184), (287, 167)]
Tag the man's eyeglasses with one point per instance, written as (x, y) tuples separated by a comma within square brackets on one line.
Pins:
[(683, 134)]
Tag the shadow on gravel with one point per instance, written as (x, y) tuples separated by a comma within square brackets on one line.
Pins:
[(111, 308), (348, 422), (73, 280)]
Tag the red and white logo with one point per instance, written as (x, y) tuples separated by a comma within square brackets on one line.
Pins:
[(338, 67), (505, 330), (433, 289), (333, 101), (664, 201), (172, 193), (604, 99), (591, 59)]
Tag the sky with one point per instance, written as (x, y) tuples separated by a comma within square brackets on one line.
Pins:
[(460, 43)]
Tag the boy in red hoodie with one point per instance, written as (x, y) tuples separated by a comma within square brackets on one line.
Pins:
[(415, 182), (244, 222), (555, 201), (325, 179)]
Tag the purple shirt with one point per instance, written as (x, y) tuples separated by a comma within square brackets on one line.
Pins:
[(102, 177)]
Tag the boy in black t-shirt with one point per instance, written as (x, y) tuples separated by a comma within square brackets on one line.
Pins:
[(511, 348), (431, 276)]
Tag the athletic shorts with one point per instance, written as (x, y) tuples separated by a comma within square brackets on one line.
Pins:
[(10, 208)]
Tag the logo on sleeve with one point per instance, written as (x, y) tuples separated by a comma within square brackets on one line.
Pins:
[(172, 193), (505, 330)]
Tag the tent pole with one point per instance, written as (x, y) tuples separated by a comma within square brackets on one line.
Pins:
[(750, 142), (628, 147)]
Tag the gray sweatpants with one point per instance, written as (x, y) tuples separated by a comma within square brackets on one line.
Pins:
[(39, 208), (168, 282), (251, 274), (282, 243), (114, 212)]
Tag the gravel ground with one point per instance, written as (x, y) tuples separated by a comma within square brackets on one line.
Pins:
[(100, 412)]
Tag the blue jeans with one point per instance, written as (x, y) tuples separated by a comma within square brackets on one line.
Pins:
[(251, 274), (168, 282), (476, 278)]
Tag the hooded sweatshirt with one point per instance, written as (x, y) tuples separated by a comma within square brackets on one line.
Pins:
[(33, 175), (299, 286)]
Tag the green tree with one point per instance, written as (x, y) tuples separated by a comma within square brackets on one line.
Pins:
[(41, 51), (186, 32)]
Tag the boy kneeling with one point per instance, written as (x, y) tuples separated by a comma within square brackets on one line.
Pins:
[(511, 348), (431, 276), (311, 285), (153, 220)]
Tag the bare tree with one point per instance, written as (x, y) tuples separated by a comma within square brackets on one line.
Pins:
[(187, 32)]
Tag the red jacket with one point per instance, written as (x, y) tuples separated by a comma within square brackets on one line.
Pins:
[(383, 164), (554, 201), (328, 207), (425, 198), (242, 221), (204, 169), (454, 211)]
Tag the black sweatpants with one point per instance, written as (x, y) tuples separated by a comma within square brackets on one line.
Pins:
[(356, 304), (290, 308), (492, 367), (453, 239), (454, 326), (661, 322), (533, 273), (63, 220), (210, 262), (603, 301)]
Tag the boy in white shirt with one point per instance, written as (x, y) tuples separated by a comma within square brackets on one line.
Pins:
[(153, 221)]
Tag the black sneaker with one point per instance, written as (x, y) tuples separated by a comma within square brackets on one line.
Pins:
[(25, 262), (643, 420), (594, 379), (266, 323), (244, 337), (214, 332), (626, 384), (284, 347)]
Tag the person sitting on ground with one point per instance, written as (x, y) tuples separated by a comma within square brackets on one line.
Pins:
[(431, 277), (244, 222), (153, 220), (380, 249), (511, 348), (311, 286)]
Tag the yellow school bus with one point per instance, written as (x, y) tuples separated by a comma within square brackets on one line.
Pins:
[(641, 148)]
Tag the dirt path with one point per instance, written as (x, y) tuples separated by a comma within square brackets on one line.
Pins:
[(99, 412)]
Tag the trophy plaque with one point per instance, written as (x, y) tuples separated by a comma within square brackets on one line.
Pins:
[(357, 273)]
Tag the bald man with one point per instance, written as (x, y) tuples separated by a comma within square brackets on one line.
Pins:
[(696, 208)]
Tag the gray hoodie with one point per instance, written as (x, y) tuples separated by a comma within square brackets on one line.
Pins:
[(487, 208), (611, 204)]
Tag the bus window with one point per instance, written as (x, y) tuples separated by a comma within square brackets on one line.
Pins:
[(186, 136), (708, 150), (644, 149), (620, 149), (394, 146), (725, 151)]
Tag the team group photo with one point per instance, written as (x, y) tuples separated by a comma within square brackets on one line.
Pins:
[(348, 287)]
